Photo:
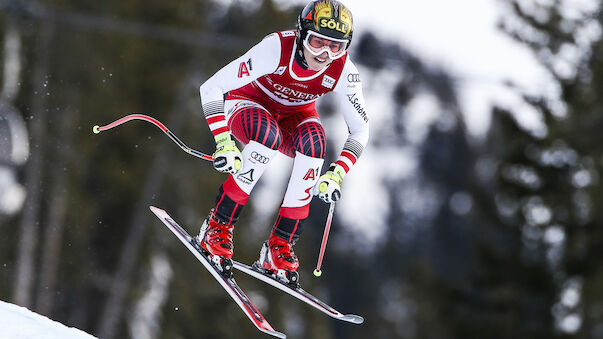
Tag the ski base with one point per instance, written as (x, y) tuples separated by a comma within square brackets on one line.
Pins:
[(296, 291), (227, 282)]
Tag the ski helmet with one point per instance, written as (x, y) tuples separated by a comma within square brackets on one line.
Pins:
[(329, 18)]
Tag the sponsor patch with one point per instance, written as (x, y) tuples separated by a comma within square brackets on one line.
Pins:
[(243, 70), (328, 82), (311, 174), (289, 93), (280, 70), (241, 105), (288, 33), (220, 162), (354, 101), (259, 158), (353, 77), (338, 26), (246, 177), (299, 85), (309, 192)]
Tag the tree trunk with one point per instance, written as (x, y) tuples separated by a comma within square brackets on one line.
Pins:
[(14, 143), (12, 61), (57, 210), (112, 311), (145, 322), (28, 238)]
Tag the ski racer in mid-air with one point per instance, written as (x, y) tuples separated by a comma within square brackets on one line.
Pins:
[(266, 100)]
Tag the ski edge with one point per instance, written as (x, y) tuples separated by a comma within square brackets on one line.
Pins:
[(183, 235), (301, 295)]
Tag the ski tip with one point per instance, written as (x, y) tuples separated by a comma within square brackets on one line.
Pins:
[(352, 318), (266, 328), (153, 209), (277, 334)]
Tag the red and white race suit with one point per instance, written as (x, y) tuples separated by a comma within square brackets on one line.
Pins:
[(267, 101)]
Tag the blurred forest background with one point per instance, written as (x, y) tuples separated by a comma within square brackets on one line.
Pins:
[(499, 236)]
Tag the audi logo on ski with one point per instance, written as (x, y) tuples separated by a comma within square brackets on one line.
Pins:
[(259, 158)]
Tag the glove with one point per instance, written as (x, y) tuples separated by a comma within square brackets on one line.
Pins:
[(227, 157), (328, 187)]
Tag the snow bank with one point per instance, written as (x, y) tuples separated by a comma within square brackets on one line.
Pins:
[(20, 323)]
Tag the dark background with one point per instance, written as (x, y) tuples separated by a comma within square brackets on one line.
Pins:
[(508, 242)]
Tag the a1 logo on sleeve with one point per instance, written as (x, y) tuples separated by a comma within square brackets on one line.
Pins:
[(245, 68)]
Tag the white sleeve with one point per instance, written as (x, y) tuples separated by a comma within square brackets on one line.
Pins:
[(260, 60), (351, 103)]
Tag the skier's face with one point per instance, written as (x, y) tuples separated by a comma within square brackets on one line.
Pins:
[(316, 62)]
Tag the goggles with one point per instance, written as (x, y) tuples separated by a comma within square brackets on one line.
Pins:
[(317, 44)]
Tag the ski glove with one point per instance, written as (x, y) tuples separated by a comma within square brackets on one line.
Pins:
[(227, 157), (328, 187)]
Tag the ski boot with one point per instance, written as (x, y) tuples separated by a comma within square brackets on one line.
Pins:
[(278, 261), (215, 242)]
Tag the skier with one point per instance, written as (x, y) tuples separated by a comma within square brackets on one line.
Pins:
[(266, 100)]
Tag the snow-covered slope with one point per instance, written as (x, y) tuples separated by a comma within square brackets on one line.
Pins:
[(20, 323)]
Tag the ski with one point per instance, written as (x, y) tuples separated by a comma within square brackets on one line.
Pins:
[(298, 293), (228, 283)]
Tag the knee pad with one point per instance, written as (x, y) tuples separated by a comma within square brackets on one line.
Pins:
[(258, 125), (310, 139)]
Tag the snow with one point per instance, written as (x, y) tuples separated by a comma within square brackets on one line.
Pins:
[(20, 323)]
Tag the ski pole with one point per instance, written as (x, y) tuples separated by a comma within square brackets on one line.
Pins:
[(97, 129), (325, 236)]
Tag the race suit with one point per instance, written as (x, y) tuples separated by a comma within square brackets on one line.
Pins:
[(267, 101)]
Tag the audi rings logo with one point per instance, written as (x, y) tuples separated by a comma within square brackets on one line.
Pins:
[(259, 158), (353, 77)]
